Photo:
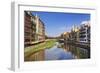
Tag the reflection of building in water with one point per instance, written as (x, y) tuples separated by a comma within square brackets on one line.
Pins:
[(77, 52), (66, 47), (38, 56)]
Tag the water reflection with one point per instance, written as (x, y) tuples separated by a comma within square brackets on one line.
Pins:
[(38, 56), (80, 53), (61, 51), (57, 54)]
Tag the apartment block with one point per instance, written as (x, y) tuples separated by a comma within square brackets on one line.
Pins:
[(81, 33), (85, 32), (40, 29), (28, 31), (34, 29)]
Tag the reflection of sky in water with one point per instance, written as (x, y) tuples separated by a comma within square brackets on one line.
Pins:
[(57, 54)]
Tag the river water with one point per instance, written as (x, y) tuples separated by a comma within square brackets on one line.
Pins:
[(61, 51)]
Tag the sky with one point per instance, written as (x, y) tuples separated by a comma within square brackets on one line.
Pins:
[(56, 22)]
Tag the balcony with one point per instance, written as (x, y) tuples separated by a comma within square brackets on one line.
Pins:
[(82, 36)]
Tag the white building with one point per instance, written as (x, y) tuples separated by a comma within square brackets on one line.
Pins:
[(85, 32)]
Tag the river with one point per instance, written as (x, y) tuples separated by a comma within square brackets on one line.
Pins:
[(61, 51)]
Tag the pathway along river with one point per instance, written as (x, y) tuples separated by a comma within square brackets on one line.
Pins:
[(61, 51)]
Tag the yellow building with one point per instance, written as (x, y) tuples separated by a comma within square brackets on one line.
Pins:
[(66, 35), (40, 29), (74, 34)]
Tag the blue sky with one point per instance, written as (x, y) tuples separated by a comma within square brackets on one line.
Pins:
[(57, 23)]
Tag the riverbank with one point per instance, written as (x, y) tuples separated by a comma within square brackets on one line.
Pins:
[(28, 51)]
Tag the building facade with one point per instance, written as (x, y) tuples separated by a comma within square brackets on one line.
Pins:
[(40, 29), (74, 34), (66, 36), (28, 30), (81, 34), (85, 32), (34, 29)]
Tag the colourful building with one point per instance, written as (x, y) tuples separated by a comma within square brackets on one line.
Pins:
[(34, 29), (40, 29), (82, 33), (28, 28)]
